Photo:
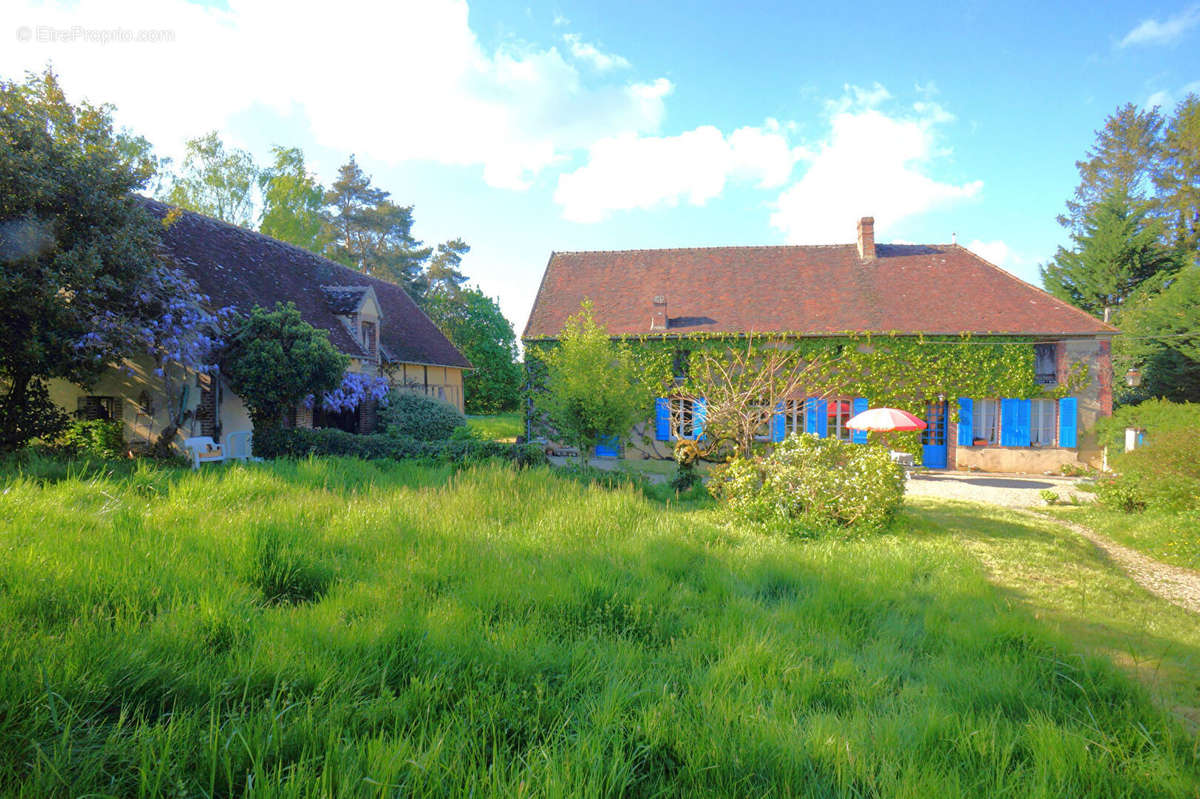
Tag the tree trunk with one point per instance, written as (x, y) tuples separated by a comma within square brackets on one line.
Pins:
[(10, 412)]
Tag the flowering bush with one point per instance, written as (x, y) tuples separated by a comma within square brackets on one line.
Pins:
[(412, 415), (813, 485), (354, 390)]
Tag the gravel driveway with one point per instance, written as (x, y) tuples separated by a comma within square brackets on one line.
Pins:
[(1009, 490)]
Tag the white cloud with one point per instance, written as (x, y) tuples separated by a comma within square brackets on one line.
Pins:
[(995, 251), (592, 55), (1152, 31), (870, 164), (1166, 99), (400, 81), (643, 172)]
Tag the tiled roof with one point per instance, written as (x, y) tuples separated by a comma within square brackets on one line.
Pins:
[(240, 268), (808, 290)]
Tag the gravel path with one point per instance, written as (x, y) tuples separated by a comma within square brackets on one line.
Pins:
[(1006, 490), (1175, 584)]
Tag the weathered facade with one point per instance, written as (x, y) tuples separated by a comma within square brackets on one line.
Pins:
[(916, 293), (374, 322)]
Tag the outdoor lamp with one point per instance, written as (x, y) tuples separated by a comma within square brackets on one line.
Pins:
[(1133, 378)]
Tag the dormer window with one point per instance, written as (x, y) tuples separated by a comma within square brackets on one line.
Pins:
[(370, 339)]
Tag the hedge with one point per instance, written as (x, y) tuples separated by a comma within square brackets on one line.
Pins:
[(302, 442)]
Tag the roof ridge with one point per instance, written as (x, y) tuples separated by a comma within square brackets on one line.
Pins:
[(713, 247)]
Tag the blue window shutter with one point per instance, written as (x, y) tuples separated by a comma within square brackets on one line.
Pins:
[(1008, 423), (662, 420), (1023, 408), (860, 404), (966, 421), (699, 411), (1067, 416), (822, 409), (810, 415), (778, 424)]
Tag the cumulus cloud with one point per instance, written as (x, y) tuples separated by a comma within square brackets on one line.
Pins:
[(872, 163), (1166, 98), (1157, 32), (995, 251), (592, 55), (400, 81), (643, 172)]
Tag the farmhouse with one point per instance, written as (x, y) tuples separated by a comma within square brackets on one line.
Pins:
[(374, 322), (929, 295)]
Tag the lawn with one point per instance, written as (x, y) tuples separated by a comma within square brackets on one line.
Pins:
[(1172, 537), (335, 627), (498, 427)]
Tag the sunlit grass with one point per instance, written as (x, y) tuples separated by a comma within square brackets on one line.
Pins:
[(498, 427), (343, 628), (1170, 536)]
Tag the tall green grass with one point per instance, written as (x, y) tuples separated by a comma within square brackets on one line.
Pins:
[(334, 627)]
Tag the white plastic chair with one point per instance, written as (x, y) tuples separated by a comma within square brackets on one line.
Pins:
[(203, 450)]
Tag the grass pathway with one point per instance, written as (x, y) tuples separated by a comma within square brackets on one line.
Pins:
[(1175, 584)]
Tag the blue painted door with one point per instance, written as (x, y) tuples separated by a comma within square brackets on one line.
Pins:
[(608, 447), (933, 437)]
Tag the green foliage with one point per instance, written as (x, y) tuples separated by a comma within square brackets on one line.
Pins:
[(74, 249), (1049, 496), (474, 323), (591, 388), (1159, 418), (282, 566), (409, 414), (1163, 475), (215, 181), (274, 360), (1116, 252), (372, 234), (810, 485), (504, 633), (1177, 176), (293, 202), (304, 443), (1163, 340), (97, 438)]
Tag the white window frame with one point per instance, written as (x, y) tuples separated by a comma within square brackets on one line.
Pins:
[(990, 428), (1043, 418), (683, 416), (835, 424)]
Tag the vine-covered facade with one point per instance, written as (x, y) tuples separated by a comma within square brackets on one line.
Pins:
[(1008, 378)]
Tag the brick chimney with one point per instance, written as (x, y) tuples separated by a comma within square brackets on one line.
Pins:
[(658, 313), (866, 238)]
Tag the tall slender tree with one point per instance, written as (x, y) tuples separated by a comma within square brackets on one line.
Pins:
[(293, 202), (371, 233), (1177, 177), (216, 181), (443, 277)]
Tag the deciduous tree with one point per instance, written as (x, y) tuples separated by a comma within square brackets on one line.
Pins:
[(215, 181), (474, 323), (293, 202)]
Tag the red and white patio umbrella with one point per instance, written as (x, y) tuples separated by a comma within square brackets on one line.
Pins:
[(885, 420)]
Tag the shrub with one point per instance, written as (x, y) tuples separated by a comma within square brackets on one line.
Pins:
[(1163, 475), (416, 416), (813, 485), (97, 438), (1158, 417), (301, 443), (1048, 496)]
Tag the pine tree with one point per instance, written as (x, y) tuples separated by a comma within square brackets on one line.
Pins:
[(370, 233), (1117, 249), (1177, 178)]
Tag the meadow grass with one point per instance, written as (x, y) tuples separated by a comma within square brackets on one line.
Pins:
[(335, 627), (1170, 536), (498, 427)]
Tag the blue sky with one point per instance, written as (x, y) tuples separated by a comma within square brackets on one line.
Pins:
[(531, 127)]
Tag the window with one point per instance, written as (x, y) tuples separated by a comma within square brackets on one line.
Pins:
[(681, 417), (369, 337), (1045, 364), (1042, 422), (983, 422), (104, 408), (793, 417), (840, 411)]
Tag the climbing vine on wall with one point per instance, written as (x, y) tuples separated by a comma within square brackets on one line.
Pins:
[(893, 370)]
